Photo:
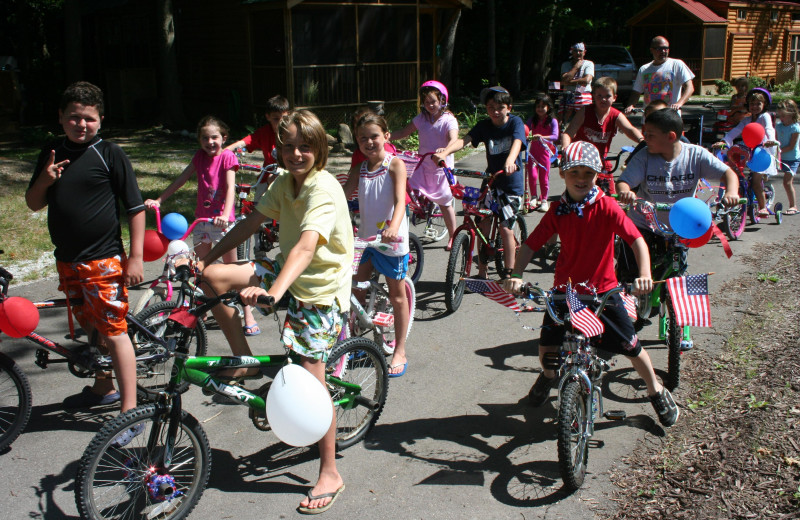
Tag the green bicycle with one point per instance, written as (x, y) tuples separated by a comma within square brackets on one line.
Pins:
[(154, 461)]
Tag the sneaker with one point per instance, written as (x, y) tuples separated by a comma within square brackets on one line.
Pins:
[(540, 390), (125, 438), (665, 407), (544, 206), (87, 399)]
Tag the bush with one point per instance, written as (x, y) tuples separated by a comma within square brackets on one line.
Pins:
[(755, 81), (790, 87), (723, 87)]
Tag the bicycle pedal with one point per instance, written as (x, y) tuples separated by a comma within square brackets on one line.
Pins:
[(381, 319), (615, 415)]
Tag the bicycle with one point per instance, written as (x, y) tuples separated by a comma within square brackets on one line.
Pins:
[(459, 265), (420, 208), (267, 236), (376, 315), (163, 471)]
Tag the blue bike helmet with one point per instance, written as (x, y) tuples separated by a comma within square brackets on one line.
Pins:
[(759, 90)]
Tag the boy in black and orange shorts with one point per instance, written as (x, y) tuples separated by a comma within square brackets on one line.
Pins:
[(82, 180)]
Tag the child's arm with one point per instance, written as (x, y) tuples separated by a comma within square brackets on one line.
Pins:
[(238, 144), (511, 161), (731, 181), (397, 171), (405, 132), (792, 143), (36, 196), (172, 188), (452, 147), (221, 220), (352, 181), (134, 270), (573, 127), (643, 284), (512, 285), (624, 125), (624, 193)]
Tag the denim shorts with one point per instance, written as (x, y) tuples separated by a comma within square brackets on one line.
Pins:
[(789, 166)]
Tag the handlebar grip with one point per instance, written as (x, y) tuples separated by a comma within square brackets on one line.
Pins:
[(266, 300), (183, 273)]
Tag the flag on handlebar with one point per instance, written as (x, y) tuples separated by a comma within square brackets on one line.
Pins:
[(493, 291), (689, 296), (629, 301), (581, 317)]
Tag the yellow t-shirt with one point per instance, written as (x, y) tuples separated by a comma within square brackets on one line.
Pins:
[(319, 207)]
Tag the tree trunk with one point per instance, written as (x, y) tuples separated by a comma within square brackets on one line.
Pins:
[(491, 23), (73, 53), (448, 43), (541, 51), (171, 106)]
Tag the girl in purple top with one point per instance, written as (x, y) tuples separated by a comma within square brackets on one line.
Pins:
[(437, 126), (543, 127)]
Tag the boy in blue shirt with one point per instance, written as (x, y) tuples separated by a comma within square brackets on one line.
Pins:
[(503, 135)]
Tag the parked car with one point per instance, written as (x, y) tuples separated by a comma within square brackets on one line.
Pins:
[(613, 61)]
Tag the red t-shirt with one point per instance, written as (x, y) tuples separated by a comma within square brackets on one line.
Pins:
[(587, 243), (359, 157), (597, 134), (263, 139)]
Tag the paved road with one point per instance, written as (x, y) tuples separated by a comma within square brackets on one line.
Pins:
[(455, 439)]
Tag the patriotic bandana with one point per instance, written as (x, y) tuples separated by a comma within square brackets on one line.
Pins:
[(579, 47), (567, 206)]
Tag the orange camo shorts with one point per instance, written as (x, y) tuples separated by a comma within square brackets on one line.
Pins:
[(105, 298)]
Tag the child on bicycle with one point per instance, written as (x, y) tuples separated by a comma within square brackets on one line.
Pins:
[(598, 125), (787, 131), (437, 126), (215, 168), (504, 136), (314, 267), (82, 180), (587, 222), (738, 109), (758, 100), (544, 126), (382, 202)]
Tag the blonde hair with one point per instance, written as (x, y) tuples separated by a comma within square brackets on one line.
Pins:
[(311, 131), (605, 82), (790, 107)]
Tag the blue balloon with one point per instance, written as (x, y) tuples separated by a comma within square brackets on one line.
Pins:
[(690, 218), (760, 161), (174, 226)]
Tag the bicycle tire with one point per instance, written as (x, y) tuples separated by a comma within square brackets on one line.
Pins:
[(435, 227), (416, 260), (152, 377), (16, 400), (674, 336), (385, 336), (520, 234), (150, 296), (733, 222), (573, 446), (357, 360), (752, 213), (456, 269), (112, 480)]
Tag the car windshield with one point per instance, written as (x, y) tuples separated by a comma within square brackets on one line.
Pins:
[(608, 55)]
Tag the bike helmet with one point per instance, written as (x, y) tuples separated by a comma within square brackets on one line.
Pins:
[(438, 86), (488, 90), (759, 90)]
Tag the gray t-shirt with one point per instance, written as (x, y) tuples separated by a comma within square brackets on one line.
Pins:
[(659, 180)]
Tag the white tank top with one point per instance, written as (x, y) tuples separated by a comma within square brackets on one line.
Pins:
[(376, 203)]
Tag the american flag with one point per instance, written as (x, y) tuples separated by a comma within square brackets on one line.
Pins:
[(690, 298), (493, 291), (630, 304), (581, 317)]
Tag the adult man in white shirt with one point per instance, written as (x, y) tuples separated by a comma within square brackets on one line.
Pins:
[(663, 78)]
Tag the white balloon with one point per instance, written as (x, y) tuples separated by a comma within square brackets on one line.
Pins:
[(299, 407), (177, 247)]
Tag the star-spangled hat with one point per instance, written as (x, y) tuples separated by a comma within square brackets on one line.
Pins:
[(582, 153)]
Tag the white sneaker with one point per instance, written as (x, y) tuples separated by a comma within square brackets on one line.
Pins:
[(545, 206), (125, 438)]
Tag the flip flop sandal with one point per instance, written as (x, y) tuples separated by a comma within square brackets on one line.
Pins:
[(317, 510), (790, 211), (252, 330)]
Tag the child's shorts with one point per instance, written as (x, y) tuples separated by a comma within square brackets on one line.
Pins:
[(207, 232), (621, 341), (789, 166), (309, 330), (392, 267), (105, 298), (505, 206)]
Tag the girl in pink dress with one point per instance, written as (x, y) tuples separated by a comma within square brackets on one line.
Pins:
[(543, 126), (437, 126)]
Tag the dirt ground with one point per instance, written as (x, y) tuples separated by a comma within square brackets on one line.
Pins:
[(735, 453)]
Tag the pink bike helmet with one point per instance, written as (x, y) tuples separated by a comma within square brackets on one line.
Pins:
[(438, 86)]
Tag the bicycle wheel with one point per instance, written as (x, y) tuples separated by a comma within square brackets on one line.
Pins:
[(15, 401), (416, 259), (357, 361), (435, 228), (674, 336), (130, 482), (752, 212), (385, 336), (456, 269), (573, 446), (153, 375), (149, 297), (733, 222), (520, 234)]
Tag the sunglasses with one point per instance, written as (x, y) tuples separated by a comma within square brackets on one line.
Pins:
[(660, 48)]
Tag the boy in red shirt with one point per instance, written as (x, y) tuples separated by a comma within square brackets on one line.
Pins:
[(587, 221)]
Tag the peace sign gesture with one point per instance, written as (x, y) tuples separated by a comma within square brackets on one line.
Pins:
[(52, 170)]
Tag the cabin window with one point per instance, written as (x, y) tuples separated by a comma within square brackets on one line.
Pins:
[(796, 17), (770, 40), (774, 15), (741, 14), (794, 50)]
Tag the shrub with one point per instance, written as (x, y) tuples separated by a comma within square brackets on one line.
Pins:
[(755, 81), (723, 87)]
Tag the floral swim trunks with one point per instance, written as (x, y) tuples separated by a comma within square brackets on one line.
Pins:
[(309, 330)]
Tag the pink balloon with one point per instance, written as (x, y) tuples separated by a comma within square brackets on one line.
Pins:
[(753, 134)]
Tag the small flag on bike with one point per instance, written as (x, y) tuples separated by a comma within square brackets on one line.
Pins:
[(629, 301), (690, 298), (581, 316), (493, 291)]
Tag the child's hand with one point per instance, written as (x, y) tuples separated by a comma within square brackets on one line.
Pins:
[(771, 143), (134, 272), (438, 157), (730, 200), (510, 166), (626, 197), (389, 235), (220, 221), (249, 295), (152, 204), (52, 170), (643, 285), (719, 144), (512, 285)]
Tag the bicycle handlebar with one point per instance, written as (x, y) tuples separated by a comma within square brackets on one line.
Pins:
[(188, 230), (535, 293)]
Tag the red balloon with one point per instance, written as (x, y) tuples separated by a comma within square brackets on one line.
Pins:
[(155, 245), (699, 241), (753, 134), (18, 317)]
